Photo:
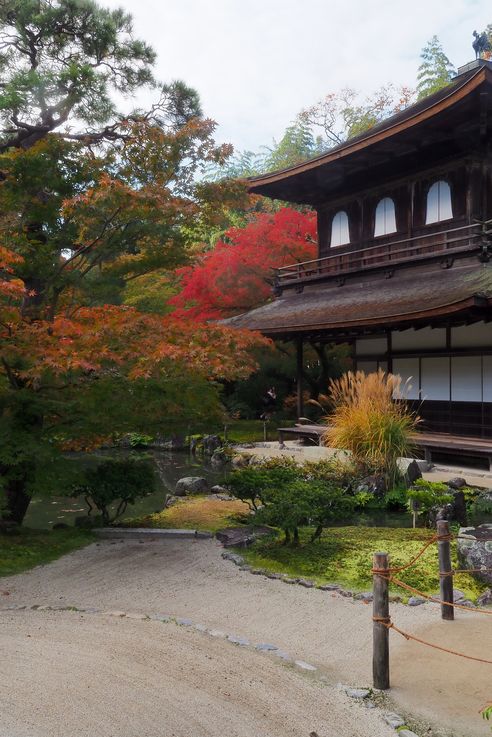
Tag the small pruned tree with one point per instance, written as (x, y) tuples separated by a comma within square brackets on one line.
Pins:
[(435, 70), (114, 484), (289, 496), (370, 418)]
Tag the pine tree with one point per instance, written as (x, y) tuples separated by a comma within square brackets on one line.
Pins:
[(435, 71)]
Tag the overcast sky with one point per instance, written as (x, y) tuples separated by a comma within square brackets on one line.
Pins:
[(257, 63)]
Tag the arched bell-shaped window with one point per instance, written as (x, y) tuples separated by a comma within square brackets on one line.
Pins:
[(439, 205), (340, 229), (385, 220)]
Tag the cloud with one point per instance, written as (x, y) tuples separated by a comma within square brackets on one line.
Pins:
[(256, 63)]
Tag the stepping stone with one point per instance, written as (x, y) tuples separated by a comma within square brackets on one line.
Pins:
[(200, 627), (329, 587), (305, 666), (184, 622), (394, 720), (265, 647), (135, 615), (282, 654), (242, 641), (161, 617), (406, 733), (306, 584), (216, 633), (116, 614), (357, 693)]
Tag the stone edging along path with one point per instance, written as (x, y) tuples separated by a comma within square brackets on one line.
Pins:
[(369, 698)]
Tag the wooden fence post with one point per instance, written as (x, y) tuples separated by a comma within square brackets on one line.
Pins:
[(446, 582), (380, 653)]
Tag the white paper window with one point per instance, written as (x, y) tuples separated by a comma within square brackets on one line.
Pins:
[(385, 220), (466, 379), (435, 379), (408, 370), (439, 206), (340, 229)]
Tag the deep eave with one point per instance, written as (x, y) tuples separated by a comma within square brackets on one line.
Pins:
[(377, 303), (273, 184)]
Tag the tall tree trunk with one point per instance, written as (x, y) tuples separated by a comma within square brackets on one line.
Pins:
[(17, 501)]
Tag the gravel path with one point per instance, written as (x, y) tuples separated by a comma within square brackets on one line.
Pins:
[(107, 671)]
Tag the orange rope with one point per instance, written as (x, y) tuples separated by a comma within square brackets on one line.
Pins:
[(455, 571), (434, 599), (386, 622)]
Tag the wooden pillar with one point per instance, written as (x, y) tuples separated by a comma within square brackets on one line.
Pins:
[(380, 652), (446, 582), (300, 366)]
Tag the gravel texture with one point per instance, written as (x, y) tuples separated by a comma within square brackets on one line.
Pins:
[(73, 671)]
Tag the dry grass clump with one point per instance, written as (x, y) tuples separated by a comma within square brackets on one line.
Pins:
[(371, 419)]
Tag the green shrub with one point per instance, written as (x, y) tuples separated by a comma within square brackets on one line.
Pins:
[(116, 482), (289, 496), (424, 496)]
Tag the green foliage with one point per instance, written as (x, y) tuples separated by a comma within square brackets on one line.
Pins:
[(344, 555), (487, 712), (120, 482), (139, 440), (424, 496), (287, 495), (24, 548), (435, 70)]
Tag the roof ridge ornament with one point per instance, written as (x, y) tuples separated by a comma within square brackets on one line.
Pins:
[(481, 45)]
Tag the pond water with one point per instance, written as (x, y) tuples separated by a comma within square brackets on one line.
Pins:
[(43, 512)]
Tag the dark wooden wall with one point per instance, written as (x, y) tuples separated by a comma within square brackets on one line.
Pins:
[(471, 192)]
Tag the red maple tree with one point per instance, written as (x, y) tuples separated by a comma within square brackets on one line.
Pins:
[(236, 275)]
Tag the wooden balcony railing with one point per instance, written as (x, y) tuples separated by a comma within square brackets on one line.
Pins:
[(446, 243)]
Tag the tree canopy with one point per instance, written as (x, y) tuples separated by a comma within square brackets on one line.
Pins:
[(92, 198)]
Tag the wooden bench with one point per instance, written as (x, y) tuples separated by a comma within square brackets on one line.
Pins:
[(461, 445)]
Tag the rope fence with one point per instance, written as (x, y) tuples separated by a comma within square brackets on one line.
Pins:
[(384, 574)]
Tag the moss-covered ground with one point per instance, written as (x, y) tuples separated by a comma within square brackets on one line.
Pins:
[(344, 556), (196, 513), (23, 549)]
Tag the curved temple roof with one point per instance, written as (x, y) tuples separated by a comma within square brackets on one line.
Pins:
[(395, 302), (301, 182)]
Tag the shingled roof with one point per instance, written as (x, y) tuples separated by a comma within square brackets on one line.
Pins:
[(375, 301)]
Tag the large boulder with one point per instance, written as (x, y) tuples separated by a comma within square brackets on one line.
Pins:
[(192, 485), (475, 550)]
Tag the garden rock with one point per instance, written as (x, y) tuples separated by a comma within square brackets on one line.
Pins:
[(241, 537), (412, 473), (373, 485), (217, 489), (456, 510), (394, 720), (474, 547), (192, 485), (219, 459), (171, 500), (485, 599), (416, 601), (240, 461), (456, 483), (210, 444), (357, 693), (458, 596), (364, 596), (306, 584), (175, 442)]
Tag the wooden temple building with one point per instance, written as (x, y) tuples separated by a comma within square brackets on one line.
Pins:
[(404, 272)]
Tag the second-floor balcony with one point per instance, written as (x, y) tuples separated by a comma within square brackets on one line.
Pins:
[(444, 245)]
